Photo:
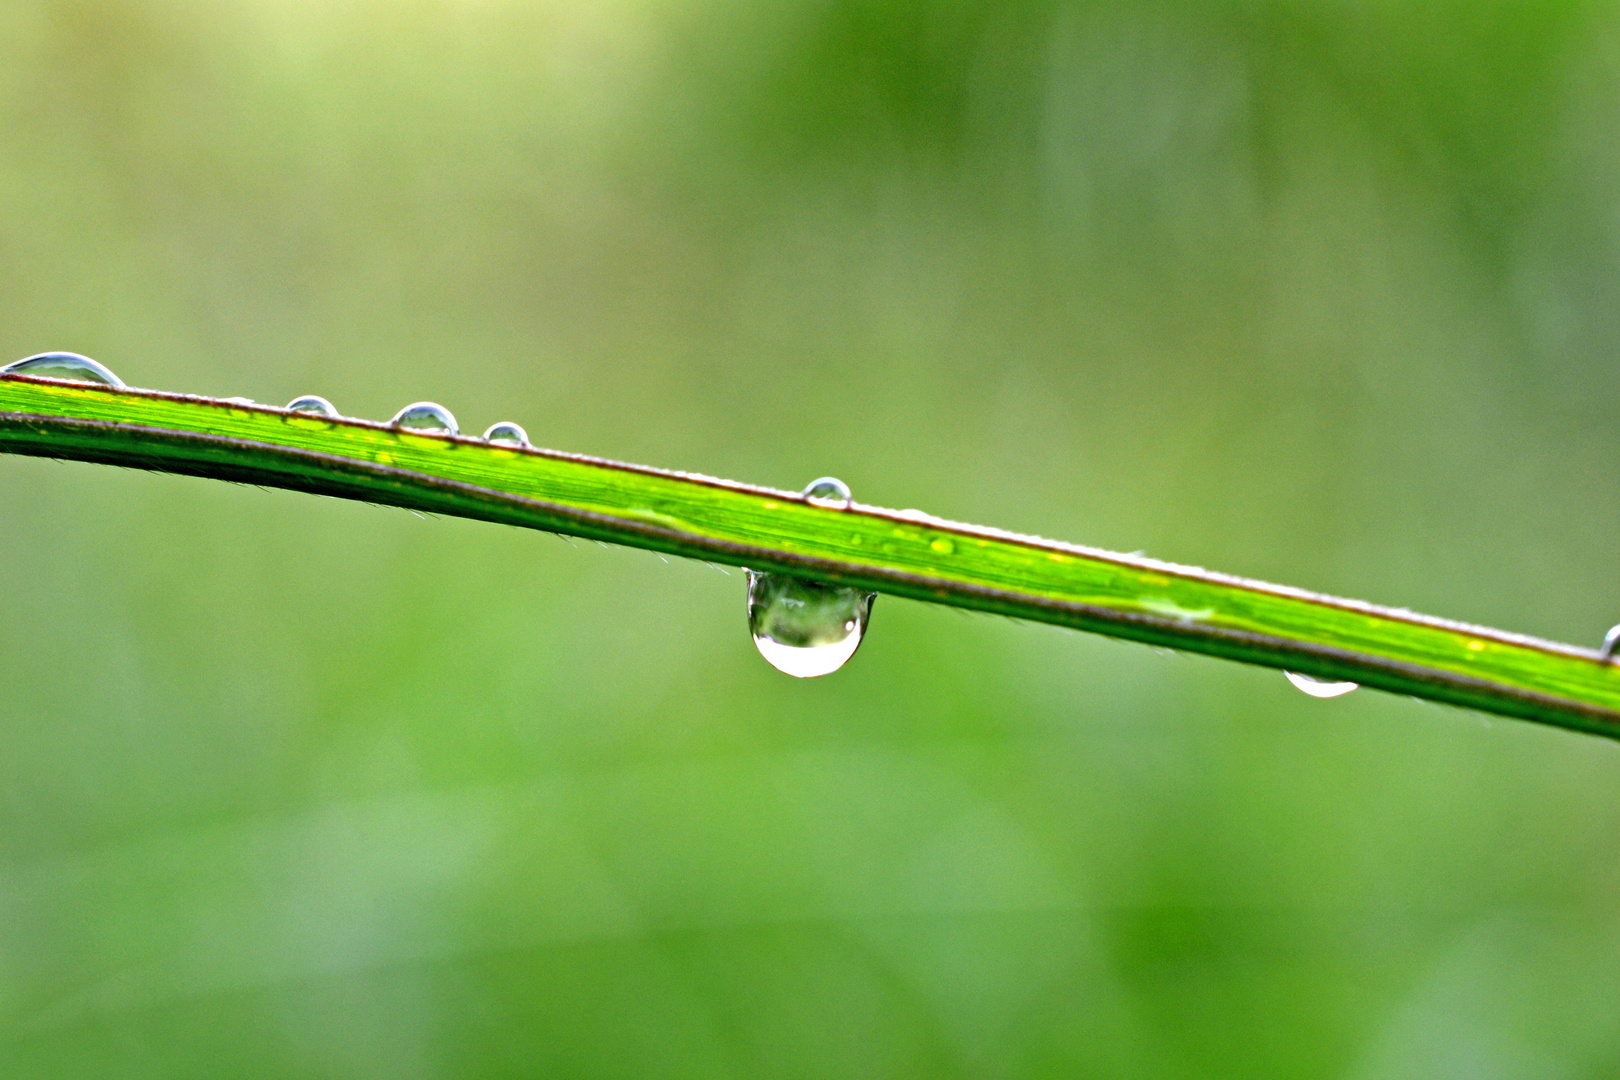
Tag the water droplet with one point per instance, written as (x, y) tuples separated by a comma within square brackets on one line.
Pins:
[(428, 417), (1323, 688), (506, 433), (805, 628), (313, 404), (63, 365), (829, 491), (1610, 640)]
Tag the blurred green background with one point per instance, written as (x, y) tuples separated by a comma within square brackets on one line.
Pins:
[(1322, 293)]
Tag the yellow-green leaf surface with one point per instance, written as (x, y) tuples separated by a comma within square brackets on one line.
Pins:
[(902, 553)]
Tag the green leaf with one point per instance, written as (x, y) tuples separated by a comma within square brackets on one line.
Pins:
[(899, 553)]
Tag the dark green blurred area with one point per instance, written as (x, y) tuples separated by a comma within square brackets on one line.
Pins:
[(1321, 293)]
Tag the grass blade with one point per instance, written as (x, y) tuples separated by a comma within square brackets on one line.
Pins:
[(896, 553)]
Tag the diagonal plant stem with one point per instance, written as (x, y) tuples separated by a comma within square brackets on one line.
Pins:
[(897, 552)]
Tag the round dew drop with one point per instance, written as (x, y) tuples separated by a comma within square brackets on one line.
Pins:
[(805, 628), (506, 433), (70, 367), (1320, 688), (313, 404), (426, 417), (829, 491)]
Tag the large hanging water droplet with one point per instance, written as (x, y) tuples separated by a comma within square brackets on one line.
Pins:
[(805, 628), (428, 417), (506, 433), (313, 404), (1322, 688), (63, 365), (829, 491)]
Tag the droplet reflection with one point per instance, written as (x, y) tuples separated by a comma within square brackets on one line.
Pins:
[(427, 417), (63, 365), (1320, 688), (805, 628)]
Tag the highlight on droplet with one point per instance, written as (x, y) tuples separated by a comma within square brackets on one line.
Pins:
[(1320, 688)]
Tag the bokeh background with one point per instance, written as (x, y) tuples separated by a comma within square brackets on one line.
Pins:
[(1322, 293)]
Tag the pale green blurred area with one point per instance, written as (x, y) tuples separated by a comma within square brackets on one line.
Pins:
[(1322, 293)]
